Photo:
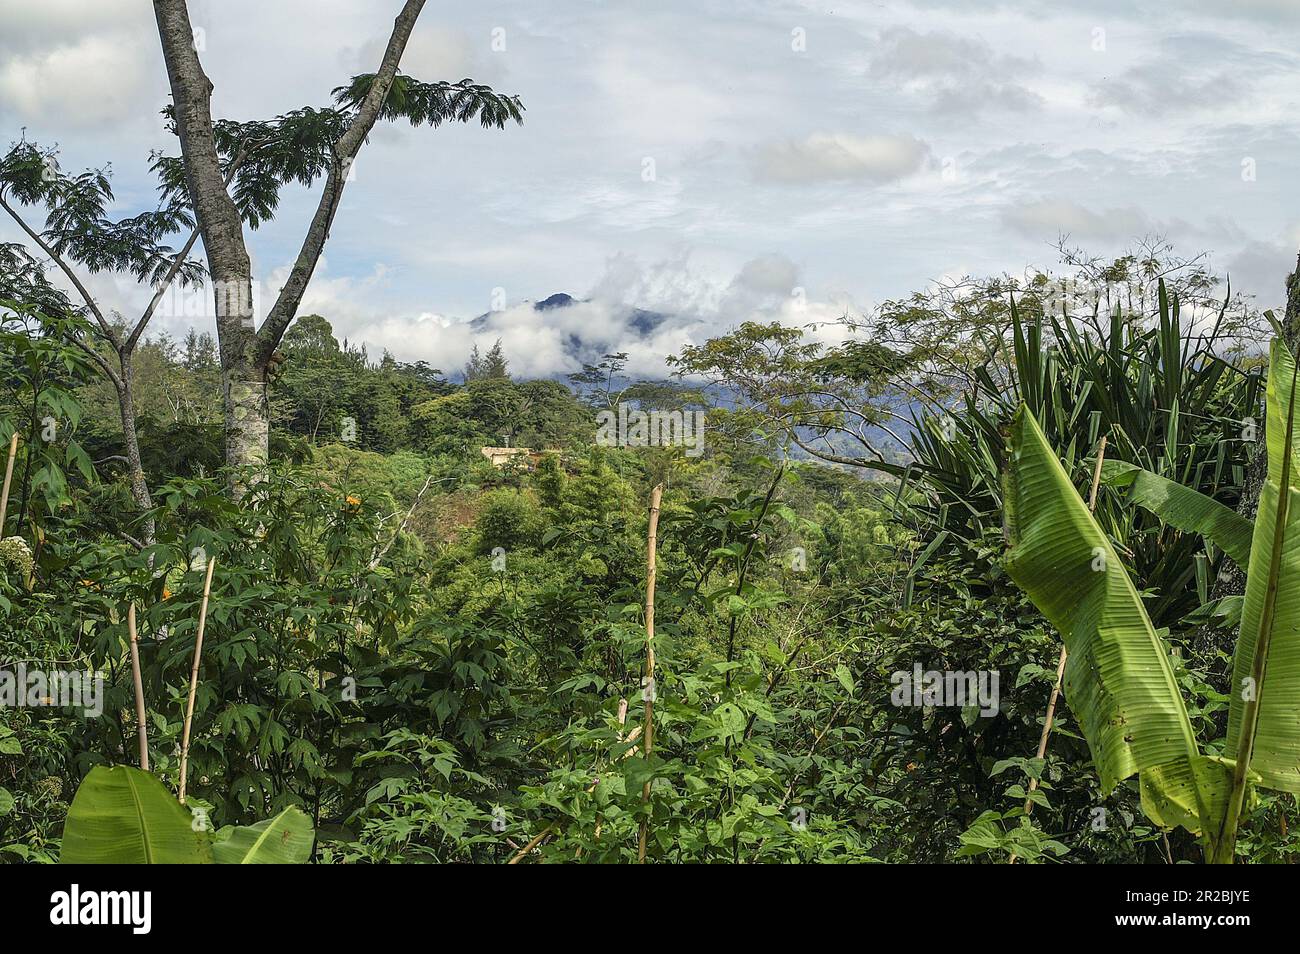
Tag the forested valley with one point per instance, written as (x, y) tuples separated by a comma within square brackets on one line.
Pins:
[(430, 654)]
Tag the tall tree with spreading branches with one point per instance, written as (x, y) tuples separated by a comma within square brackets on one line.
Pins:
[(232, 172), (79, 238)]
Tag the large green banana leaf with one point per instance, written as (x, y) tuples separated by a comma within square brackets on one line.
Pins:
[(122, 815), (1184, 508), (1276, 755), (1119, 681), (1191, 793), (285, 839)]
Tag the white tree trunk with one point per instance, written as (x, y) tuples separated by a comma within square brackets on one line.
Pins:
[(248, 419)]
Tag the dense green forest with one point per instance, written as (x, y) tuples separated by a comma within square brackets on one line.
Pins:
[(1002, 571), (440, 658)]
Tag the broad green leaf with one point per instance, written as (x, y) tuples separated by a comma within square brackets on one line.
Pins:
[(1118, 680), (1189, 793), (1281, 369), (124, 816), (845, 677), (1184, 508), (984, 834), (285, 839), (1276, 755)]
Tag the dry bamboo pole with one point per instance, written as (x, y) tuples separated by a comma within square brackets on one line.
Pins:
[(537, 840), (1096, 475), (141, 727), (9, 476), (648, 691), (1060, 665), (194, 676)]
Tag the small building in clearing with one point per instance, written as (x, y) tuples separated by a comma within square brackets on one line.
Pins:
[(500, 456)]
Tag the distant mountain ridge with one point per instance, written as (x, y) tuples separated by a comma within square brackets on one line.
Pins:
[(641, 320)]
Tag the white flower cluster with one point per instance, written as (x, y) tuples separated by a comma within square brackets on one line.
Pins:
[(15, 553)]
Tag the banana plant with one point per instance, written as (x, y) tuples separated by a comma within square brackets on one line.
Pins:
[(1119, 679), (122, 815)]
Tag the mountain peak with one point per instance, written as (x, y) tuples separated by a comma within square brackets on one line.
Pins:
[(558, 300)]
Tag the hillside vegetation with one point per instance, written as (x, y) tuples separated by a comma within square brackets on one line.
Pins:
[(433, 658)]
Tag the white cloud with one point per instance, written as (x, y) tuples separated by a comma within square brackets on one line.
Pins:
[(37, 26), (690, 306), (775, 168), (1262, 268), (824, 157), (433, 53), (1048, 218), (956, 74), (1188, 72), (94, 81)]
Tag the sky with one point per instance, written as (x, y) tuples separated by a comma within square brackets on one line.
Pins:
[(718, 162)]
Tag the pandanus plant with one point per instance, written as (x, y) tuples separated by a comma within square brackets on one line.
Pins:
[(1119, 680)]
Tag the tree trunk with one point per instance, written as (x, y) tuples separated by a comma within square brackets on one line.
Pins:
[(229, 265), (126, 408), (248, 417), (243, 379)]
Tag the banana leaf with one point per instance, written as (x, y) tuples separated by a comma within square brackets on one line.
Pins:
[(285, 839), (1183, 508), (121, 815), (1191, 793), (1118, 680), (1276, 753)]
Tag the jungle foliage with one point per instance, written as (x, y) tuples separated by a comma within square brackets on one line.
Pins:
[(413, 655)]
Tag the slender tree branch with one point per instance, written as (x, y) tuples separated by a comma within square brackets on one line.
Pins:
[(102, 362), (161, 290), (176, 265), (838, 458), (345, 151), (57, 259), (378, 557)]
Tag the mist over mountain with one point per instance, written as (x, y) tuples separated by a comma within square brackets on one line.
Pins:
[(586, 328)]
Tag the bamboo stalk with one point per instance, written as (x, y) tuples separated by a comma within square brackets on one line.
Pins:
[(1060, 665), (194, 676), (141, 727), (9, 476), (1096, 475), (648, 691), (537, 840)]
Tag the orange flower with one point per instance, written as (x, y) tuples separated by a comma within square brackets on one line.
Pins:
[(167, 594), (352, 501)]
